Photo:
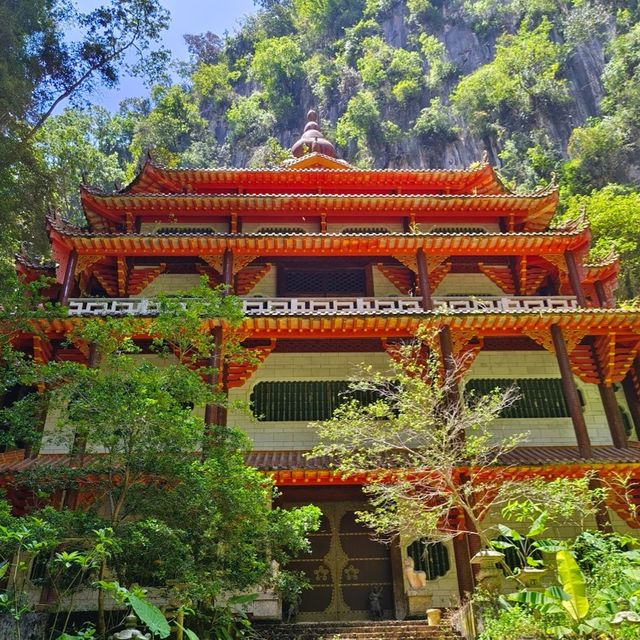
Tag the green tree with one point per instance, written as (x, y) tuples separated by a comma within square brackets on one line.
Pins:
[(327, 18), (41, 66), (155, 463), (277, 66), (73, 152), (249, 121), (614, 216), (172, 125), (360, 123), (416, 429), (522, 80)]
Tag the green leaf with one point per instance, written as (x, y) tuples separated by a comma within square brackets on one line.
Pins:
[(557, 593), (561, 632), (150, 616), (633, 573), (243, 599), (499, 544), (572, 580), (191, 635), (538, 526), (4, 567), (548, 546), (508, 532), (532, 598)]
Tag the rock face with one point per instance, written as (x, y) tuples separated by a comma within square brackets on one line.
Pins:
[(467, 49)]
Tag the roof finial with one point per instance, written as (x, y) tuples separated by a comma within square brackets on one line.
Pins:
[(312, 139), (485, 157)]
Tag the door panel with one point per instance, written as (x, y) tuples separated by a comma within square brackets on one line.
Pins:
[(345, 564)]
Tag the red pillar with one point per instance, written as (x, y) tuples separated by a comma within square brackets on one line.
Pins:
[(574, 278), (215, 415), (571, 392), (602, 296), (67, 285), (423, 280), (632, 401), (227, 272), (614, 419)]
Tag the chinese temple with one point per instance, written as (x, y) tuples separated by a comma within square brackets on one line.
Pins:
[(334, 264)]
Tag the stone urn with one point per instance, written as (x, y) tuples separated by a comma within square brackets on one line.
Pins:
[(433, 617), (489, 576)]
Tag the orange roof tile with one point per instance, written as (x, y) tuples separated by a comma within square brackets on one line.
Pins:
[(535, 211), (301, 174), (318, 244)]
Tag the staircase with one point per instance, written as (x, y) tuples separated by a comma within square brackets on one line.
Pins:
[(384, 630)]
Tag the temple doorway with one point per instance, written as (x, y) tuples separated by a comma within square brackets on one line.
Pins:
[(344, 567)]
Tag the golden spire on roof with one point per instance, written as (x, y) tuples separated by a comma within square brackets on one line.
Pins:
[(312, 140)]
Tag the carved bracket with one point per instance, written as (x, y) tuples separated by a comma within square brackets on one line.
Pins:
[(500, 275), (615, 355), (238, 372)]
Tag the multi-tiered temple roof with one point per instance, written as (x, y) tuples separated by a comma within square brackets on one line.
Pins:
[(411, 228)]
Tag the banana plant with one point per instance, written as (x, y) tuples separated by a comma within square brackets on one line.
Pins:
[(582, 617), (528, 550), (570, 598)]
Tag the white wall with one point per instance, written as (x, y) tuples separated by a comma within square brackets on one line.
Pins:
[(171, 283)]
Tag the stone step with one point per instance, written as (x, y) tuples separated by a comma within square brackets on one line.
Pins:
[(384, 630)]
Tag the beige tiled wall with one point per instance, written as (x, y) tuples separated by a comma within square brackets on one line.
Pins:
[(455, 284), (294, 366), (171, 283), (541, 364)]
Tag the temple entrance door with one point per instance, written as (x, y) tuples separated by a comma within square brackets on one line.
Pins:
[(344, 566)]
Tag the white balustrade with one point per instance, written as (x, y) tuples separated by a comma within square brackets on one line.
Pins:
[(492, 304), (336, 306)]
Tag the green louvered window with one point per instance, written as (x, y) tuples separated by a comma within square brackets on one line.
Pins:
[(539, 397), (302, 401), (430, 557)]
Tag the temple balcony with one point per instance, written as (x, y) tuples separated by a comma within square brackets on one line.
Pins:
[(401, 305)]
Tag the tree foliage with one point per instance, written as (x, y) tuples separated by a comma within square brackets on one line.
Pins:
[(422, 438)]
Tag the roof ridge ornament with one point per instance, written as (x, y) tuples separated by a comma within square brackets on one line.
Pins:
[(312, 139)]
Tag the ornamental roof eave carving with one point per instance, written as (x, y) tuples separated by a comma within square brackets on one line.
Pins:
[(153, 177), (534, 211), (190, 243), (516, 323)]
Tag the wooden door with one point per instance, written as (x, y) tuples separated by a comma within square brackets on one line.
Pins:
[(344, 565)]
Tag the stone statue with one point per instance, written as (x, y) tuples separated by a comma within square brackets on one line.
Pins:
[(375, 604), (130, 632), (293, 608), (416, 579)]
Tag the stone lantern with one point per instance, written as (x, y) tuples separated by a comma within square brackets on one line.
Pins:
[(489, 576), (130, 632)]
